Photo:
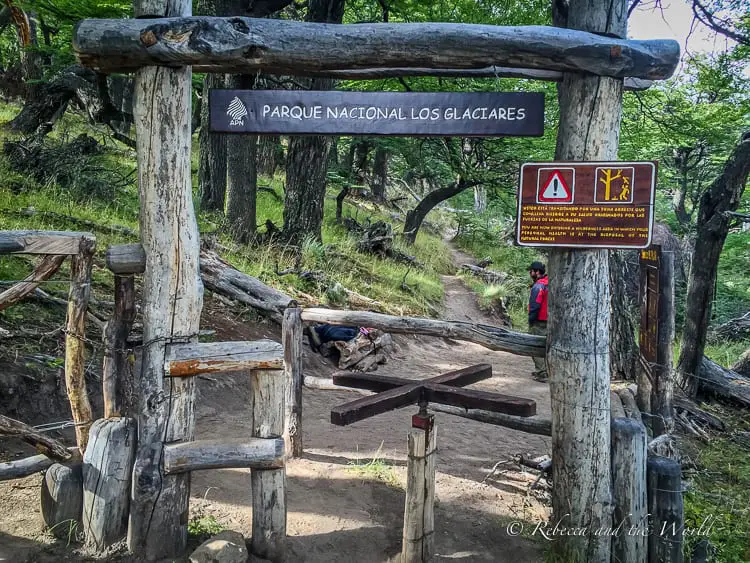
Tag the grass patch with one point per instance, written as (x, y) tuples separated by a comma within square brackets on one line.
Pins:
[(202, 527), (375, 469)]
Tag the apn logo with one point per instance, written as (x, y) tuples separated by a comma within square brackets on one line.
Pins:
[(237, 112)]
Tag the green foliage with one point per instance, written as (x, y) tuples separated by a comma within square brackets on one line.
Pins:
[(375, 469), (203, 527)]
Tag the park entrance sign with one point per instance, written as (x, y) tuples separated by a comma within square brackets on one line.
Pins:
[(293, 112), (586, 204)]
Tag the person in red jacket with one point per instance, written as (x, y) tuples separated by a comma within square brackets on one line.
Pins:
[(538, 313)]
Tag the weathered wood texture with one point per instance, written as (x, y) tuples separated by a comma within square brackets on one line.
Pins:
[(61, 499), (24, 467), (125, 259), (107, 470), (643, 392), (629, 490), (43, 443), (75, 333), (492, 337), (268, 485), (579, 302), (531, 424), (117, 384), (418, 539), (666, 509), (258, 453), (662, 384), (172, 300), (628, 403), (615, 406), (489, 276), (487, 72), (291, 338), (41, 242), (195, 358), (43, 271), (248, 46), (729, 385)]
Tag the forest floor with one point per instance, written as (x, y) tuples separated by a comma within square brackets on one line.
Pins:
[(346, 494)]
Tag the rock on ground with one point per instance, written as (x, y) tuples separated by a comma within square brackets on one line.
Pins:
[(226, 547)]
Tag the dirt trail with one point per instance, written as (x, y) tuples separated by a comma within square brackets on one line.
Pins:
[(337, 513)]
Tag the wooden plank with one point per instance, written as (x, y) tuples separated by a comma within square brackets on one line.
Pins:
[(248, 45), (418, 537), (43, 271), (494, 338), (366, 407), (41, 242), (291, 338), (116, 381), (194, 358), (268, 485), (171, 302), (665, 508), (126, 259), (75, 334), (258, 453), (107, 470), (377, 383), (43, 443), (473, 399), (629, 490), (61, 498), (532, 424)]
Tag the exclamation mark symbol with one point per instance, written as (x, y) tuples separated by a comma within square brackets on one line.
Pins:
[(554, 187)]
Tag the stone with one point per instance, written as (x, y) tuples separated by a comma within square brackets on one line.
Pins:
[(225, 547)]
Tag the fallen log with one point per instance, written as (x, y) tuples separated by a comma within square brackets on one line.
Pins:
[(249, 45), (699, 414), (20, 468), (488, 276), (628, 403), (43, 271), (742, 366), (734, 330), (724, 383), (44, 444)]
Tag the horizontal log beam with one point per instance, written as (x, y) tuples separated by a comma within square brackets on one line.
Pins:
[(492, 337), (44, 444), (487, 72), (124, 259), (256, 453), (20, 468), (41, 242), (531, 425), (248, 46), (184, 360)]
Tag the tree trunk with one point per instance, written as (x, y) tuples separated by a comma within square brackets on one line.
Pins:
[(379, 174), (682, 156), (307, 157), (722, 196), (242, 178), (480, 199), (415, 217), (623, 350), (361, 157), (269, 153), (212, 166), (578, 341)]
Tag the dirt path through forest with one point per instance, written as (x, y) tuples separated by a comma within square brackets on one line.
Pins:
[(337, 513)]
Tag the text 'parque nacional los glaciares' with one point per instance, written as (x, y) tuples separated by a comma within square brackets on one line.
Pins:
[(377, 113)]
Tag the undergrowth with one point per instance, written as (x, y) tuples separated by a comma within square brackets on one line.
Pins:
[(375, 469)]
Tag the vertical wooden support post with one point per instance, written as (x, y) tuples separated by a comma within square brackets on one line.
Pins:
[(662, 388), (418, 541), (268, 485), (666, 509), (629, 491), (75, 333), (291, 338), (116, 382), (579, 303), (107, 468), (172, 297)]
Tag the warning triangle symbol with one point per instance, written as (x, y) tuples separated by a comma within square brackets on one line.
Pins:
[(555, 189)]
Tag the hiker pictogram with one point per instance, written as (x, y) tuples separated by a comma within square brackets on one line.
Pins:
[(614, 185), (555, 185)]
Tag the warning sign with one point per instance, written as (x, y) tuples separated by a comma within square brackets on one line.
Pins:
[(586, 205), (555, 185)]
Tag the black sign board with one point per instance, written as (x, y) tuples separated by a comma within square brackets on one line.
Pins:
[(298, 112), (649, 333)]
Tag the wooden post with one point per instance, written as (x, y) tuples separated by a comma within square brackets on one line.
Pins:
[(578, 340), (629, 491), (107, 468), (291, 338), (172, 297), (418, 541), (116, 380), (61, 499), (666, 509), (662, 388), (268, 485), (75, 333)]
